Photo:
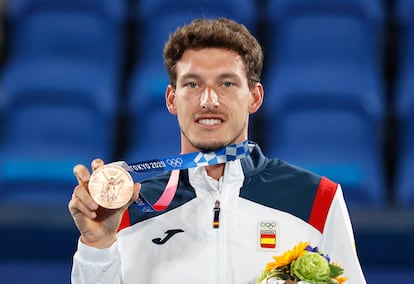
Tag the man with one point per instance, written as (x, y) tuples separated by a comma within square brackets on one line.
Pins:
[(226, 220)]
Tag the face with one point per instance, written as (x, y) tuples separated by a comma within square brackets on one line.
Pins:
[(212, 99)]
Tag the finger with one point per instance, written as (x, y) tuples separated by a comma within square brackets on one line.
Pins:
[(83, 195), (137, 188), (82, 174), (76, 205), (97, 163)]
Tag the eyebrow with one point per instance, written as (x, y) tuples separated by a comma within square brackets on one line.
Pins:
[(229, 75), (220, 77), (190, 76)]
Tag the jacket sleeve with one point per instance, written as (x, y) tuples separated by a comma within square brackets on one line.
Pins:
[(338, 239), (91, 265)]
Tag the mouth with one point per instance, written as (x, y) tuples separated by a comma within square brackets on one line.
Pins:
[(209, 121)]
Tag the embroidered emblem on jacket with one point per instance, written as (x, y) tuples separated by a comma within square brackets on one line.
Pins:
[(267, 232), (169, 233)]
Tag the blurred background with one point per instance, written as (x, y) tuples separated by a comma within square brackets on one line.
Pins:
[(81, 79)]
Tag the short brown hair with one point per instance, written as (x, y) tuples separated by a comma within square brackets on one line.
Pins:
[(216, 33)]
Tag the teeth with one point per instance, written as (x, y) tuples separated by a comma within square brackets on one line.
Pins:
[(209, 121)]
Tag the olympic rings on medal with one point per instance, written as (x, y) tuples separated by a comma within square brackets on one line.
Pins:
[(175, 162)]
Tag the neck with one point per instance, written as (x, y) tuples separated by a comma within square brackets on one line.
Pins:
[(215, 171)]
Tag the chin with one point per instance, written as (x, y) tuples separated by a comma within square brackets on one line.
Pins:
[(210, 144)]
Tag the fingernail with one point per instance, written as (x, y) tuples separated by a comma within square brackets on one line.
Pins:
[(79, 173), (97, 163)]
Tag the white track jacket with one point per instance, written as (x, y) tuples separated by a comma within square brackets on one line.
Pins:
[(266, 207)]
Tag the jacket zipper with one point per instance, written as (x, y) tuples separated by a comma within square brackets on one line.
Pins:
[(219, 251), (216, 219)]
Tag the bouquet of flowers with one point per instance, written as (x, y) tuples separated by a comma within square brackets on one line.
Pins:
[(302, 264)]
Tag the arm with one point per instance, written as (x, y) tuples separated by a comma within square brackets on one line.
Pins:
[(338, 239), (97, 259), (92, 265)]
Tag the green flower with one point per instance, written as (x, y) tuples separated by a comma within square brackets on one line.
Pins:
[(311, 267)]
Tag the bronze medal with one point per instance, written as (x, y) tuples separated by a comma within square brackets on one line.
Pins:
[(111, 186)]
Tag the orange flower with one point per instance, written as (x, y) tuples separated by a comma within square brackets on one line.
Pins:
[(287, 257), (341, 279)]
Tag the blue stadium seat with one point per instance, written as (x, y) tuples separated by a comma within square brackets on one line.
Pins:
[(404, 184), (90, 30), (345, 30), (172, 14), (404, 104), (315, 37), (60, 89), (153, 130), (52, 120), (324, 102)]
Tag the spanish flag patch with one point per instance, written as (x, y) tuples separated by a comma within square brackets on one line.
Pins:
[(267, 235)]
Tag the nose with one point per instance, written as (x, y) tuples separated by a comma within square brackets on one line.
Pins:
[(209, 99)]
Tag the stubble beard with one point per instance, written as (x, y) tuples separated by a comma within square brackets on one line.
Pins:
[(207, 146)]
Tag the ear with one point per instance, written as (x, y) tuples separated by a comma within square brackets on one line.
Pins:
[(170, 99), (256, 98)]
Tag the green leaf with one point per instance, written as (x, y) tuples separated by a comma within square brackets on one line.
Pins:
[(335, 270)]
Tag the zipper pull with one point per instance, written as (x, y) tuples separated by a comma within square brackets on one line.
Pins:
[(216, 222)]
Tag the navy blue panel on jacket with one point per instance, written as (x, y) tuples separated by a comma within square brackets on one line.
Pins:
[(277, 184)]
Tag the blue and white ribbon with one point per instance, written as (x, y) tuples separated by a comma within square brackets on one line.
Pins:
[(190, 160), (181, 162)]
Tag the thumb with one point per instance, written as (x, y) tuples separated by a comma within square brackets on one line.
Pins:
[(137, 188)]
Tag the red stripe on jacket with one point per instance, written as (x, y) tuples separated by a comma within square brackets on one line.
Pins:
[(125, 221), (323, 200)]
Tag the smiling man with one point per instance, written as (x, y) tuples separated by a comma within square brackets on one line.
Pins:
[(212, 100), (233, 211)]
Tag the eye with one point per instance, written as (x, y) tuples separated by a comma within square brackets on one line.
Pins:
[(191, 85), (228, 84)]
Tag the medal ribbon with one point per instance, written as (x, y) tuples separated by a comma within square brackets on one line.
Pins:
[(181, 162)]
